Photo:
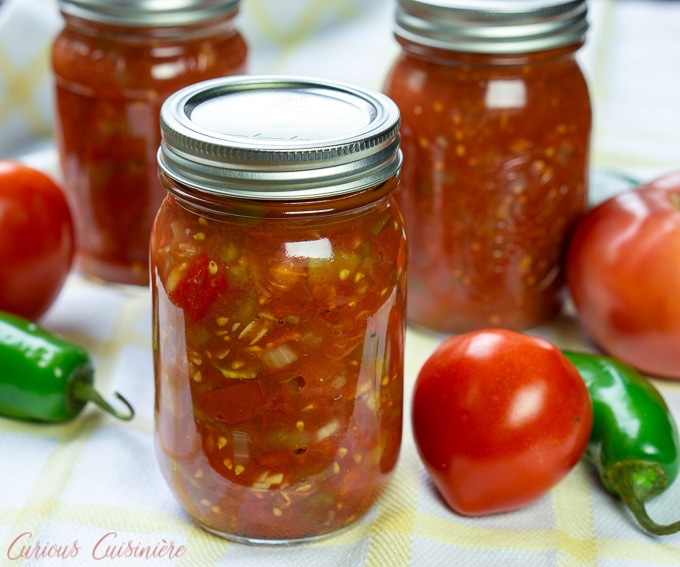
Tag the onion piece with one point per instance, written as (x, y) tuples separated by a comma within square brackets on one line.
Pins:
[(279, 357), (327, 430)]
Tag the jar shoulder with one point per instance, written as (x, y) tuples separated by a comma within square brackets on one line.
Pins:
[(105, 60), (421, 74), (546, 91)]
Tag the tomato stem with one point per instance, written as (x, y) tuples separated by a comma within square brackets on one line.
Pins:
[(675, 199)]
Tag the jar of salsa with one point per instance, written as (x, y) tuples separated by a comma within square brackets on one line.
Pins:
[(277, 277), (496, 126), (114, 63)]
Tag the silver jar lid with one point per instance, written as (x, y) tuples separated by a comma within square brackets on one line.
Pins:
[(278, 137), (147, 13), (492, 26)]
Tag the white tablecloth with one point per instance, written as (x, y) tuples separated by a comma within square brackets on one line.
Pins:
[(92, 486)]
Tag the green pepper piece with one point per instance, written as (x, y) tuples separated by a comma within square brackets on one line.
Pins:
[(43, 377), (634, 441)]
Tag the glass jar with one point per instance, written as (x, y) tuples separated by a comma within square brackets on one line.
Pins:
[(278, 262), (496, 126), (114, 63)]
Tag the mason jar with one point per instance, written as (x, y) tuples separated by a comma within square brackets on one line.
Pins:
[(278, 281), (114, 63), (496, 127)]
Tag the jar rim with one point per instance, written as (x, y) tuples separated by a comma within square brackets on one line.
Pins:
[(491, 26), (279, 137), (147, 13)]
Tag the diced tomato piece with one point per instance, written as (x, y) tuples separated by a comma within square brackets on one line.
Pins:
[(203, 283), (233, 404)]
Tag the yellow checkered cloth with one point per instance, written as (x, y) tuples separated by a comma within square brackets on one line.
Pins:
[(89, 491), (26, 113)]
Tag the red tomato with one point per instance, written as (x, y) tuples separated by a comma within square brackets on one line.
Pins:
[(36, 240), (623, 273), (499, 417)]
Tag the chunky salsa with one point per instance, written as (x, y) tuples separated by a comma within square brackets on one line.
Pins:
[(494, 178), (110, 84), (279, 361)]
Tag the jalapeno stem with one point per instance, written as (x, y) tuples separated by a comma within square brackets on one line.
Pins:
[(631, 481), (85, 392), (634, 442)]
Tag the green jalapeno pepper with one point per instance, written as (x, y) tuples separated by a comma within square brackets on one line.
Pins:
[(634, 442), (43, 377)]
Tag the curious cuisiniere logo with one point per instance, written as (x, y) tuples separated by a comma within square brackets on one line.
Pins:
[(110, 546)]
